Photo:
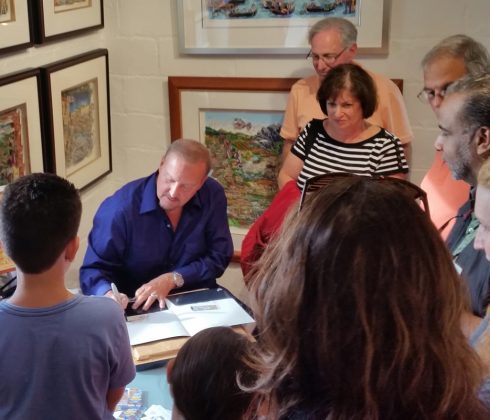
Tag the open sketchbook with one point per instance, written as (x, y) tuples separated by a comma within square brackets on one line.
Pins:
[(187, 314)]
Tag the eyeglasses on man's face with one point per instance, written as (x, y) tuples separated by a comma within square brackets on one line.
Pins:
[(428, 95), (328, 58)]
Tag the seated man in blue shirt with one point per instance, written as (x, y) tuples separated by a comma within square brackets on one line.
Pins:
[(167, 231)]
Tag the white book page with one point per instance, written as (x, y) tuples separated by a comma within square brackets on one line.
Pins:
[(154, 326), (212, 313)]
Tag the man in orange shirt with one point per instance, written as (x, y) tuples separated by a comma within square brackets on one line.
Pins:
[(333, 42), (448, 61)]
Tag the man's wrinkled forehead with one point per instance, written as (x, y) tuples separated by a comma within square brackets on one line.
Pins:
[(442, 71), (450, 111)]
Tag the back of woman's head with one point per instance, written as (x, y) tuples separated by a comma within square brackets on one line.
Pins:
[(359, 308), (204, 376)]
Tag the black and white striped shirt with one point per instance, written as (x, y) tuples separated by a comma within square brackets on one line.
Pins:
[(381, 154)]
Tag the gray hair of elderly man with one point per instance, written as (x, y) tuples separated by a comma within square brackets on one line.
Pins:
[(475, 111), (347, 29), (474, 54)]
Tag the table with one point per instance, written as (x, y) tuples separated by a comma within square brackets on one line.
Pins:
[(153, 383)]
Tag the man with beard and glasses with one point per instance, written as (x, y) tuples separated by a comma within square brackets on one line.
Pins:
[(464, 120), (451, 59)]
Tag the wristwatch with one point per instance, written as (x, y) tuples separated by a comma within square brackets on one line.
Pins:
[(178, 279)]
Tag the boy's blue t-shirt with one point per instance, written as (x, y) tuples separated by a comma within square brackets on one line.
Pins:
[(59, 362)]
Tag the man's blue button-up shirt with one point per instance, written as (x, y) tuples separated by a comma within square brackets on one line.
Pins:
[(132, 240)]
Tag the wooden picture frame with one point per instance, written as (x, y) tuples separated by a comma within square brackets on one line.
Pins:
[(190, 96), (76, 100), (15, 25), (57, 19), (21, 141), (245, 102), (217, 27)]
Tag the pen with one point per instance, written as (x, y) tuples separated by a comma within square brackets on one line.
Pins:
[(116, 292), (118, 297)]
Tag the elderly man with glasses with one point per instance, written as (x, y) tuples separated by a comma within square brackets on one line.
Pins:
[(333, 42), (448, 61)]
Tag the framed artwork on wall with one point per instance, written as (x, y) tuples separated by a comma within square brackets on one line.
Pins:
[(274, 27), (15, 28), (76, 100), (21, 145), (238, 119), (56, 19)]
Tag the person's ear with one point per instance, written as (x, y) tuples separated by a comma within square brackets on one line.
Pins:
[(353, 49), (72, 248), (170, 366), (483, 141)]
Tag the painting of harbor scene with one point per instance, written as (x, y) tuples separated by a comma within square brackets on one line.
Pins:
[(245, 147), (267, 9)]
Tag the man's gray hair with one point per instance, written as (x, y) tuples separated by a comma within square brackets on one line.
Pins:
[(347, 30), (475, 111), (191, 150), (475, 55)]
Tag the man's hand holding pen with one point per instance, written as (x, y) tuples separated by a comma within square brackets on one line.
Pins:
[(119, 297)]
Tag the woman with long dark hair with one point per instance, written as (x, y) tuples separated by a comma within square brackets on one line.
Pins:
[(359, 309)]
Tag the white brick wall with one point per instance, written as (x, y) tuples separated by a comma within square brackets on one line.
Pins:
[(141, 38)]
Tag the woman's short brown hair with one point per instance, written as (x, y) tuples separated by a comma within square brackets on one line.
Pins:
[(353, 78)]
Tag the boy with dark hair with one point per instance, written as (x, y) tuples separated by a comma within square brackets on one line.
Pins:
[(62, 355)]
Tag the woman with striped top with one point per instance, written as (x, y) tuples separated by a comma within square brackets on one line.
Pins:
[(345, 141)]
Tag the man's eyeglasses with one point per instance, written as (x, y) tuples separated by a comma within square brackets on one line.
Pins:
[(326, 58), (320, 181), (428, 95)]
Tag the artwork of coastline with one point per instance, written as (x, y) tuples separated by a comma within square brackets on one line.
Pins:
[(267, 9), (245, 148)]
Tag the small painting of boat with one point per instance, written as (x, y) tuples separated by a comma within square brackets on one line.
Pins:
[(282, 8), (237, 12), (314, 7)]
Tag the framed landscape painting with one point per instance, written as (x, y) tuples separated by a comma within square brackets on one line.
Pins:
[(76, 98), (238, 119)]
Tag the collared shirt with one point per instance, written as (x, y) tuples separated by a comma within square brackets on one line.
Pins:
[(132, 240), (303, 106), (472, 263)]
